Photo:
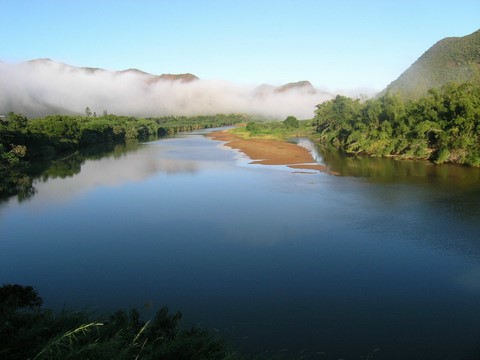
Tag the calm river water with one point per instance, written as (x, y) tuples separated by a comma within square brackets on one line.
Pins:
[(383, 259)]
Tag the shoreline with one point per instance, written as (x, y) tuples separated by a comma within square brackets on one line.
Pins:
[(270, 152)]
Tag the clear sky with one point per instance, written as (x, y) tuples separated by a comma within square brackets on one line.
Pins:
[(337, 44)]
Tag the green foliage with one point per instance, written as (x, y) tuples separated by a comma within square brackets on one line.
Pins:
[(16, 122), (442, 156), (14, 297), (30, 332), (13, 179), (252, 127), (60, 133), (291, 122), (169, 125), (278, 130), (443, 126)]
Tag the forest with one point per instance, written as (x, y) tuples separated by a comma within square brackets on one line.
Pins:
[(62, 133), (443, 126)]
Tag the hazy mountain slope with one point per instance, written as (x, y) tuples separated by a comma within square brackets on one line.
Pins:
[(451, 59), (304, 87)]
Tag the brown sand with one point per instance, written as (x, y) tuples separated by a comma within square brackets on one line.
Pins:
[(270, 152)]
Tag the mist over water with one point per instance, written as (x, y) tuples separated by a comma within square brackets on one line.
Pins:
[(42, 87)]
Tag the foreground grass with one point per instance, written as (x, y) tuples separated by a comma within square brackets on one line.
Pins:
[(28, 331)]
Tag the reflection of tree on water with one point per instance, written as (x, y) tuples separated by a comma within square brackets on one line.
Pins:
[(71, 165), (13, 174), (20, 181), (16, 183), (64, 168), (29, 147), (451, 192), (384, 170)]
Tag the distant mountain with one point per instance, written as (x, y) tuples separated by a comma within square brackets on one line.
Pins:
[(304, 87), (43, 87), (149, 78), (37, 96), (187, 77), (299, 85), (451, 59)]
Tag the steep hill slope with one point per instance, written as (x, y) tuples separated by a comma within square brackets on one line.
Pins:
[(451, 59)]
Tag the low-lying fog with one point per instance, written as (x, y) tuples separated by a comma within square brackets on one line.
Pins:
[(41, 87)]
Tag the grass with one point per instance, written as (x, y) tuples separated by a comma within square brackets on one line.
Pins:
[(29, 331)]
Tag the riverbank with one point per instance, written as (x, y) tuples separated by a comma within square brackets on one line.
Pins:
[(270, 152)]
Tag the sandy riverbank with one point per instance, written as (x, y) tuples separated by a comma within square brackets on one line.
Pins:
[(270, 152)]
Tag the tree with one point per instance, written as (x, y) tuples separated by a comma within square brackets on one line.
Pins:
[(291, 122), (16, 122), (88, 112), (444, 125), (334, 120), (252, 127)]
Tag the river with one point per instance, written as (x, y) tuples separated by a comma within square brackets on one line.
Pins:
[(381, 260)]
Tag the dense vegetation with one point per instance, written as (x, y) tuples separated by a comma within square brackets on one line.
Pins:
[(26, 142), (29, 331), (450, 59), (62, 133), (169, 125), (275, 130), (443, 126)]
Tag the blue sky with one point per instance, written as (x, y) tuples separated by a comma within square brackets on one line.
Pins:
[(334, 44)]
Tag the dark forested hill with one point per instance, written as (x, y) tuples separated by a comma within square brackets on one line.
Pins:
[(454, 59)]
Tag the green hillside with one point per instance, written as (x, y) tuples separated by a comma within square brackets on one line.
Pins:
[(454, 59)]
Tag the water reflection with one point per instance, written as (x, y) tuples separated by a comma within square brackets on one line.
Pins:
[(385, 255), (381, 170), (115, 165), (453, 188), (63, 167)]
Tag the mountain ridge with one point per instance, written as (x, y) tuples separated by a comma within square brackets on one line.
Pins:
[(183, 77), (450, 59), (43, 86), (302, 85)]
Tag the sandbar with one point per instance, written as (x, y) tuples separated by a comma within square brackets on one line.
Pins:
[(270, 152)]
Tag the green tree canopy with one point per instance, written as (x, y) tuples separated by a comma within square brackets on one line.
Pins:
[(291, 121), (443, 126)]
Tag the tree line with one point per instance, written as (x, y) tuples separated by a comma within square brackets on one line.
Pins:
[(443, 126), (60, 133)]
